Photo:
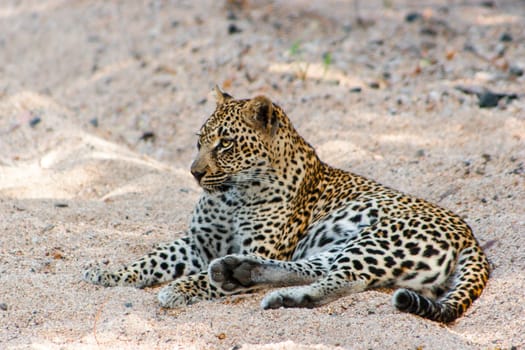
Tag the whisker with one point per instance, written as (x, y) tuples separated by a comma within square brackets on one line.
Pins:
[(265, 175)]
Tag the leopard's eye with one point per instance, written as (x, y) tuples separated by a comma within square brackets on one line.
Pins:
[(225, 143)]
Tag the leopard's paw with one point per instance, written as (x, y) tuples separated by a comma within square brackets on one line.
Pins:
[(288, 297), (96, 275), (172, 296), (233, 272)]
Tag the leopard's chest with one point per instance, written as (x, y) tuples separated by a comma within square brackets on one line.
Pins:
[(213, 223)]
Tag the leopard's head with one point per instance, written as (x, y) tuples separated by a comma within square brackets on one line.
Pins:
[(236, 142)]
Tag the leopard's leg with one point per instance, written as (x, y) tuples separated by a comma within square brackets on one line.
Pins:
[(188, 290), (237, 273), (315, 280), (165, 263), (322, 291)]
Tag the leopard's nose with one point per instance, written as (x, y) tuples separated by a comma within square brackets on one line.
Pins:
[(197, 174)]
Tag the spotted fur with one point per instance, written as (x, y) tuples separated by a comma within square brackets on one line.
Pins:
[(273, 215)]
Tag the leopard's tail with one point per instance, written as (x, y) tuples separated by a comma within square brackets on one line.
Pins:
[(469, 279)]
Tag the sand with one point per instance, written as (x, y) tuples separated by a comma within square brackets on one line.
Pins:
[(99, 105)]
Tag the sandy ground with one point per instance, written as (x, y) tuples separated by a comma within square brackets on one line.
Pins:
[(99, 105)]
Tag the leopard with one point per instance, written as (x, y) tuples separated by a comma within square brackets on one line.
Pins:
[(273, 217)]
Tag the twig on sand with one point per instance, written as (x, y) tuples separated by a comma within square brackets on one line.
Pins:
[(97, 316)]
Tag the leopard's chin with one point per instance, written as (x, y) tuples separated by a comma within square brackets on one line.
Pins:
[(216, 188)]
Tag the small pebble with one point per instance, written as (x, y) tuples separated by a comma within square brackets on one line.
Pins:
[(94, 122), (147, 135), (500, 49), (486, 76), (347, 28), (231, 16), (486, 157), (489, 99), (233, 29), (356, 89), (48, 227), (378, 42), (128, 305), (520, 170), (516, 71), (470, 48), (412, 16), (374, 85), (428, 31), (3, 306), (403, 99), (434, 96), (61, 205), (35, 121), (505, 38)]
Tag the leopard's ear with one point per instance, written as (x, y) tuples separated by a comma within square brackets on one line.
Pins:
[(221, 96), (259, 112)]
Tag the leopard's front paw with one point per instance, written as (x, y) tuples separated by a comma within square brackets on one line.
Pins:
[(172, 296), (233, 272), (96, 275)]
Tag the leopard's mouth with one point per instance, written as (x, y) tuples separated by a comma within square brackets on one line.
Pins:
[(216, 188), (215, 183)]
